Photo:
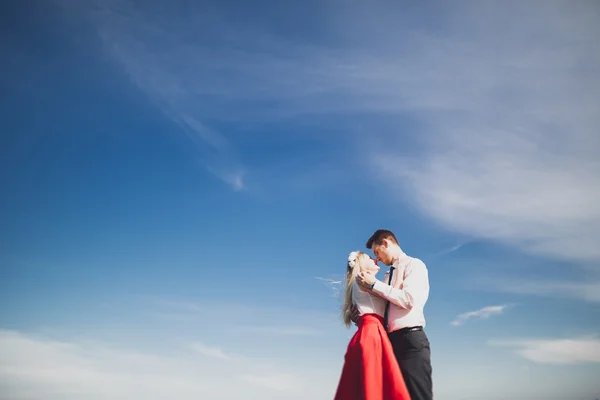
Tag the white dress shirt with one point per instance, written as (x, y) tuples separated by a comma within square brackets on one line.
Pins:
[(407, 294), (366, 302)]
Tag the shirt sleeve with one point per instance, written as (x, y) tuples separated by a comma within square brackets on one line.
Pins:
[(415, 288)]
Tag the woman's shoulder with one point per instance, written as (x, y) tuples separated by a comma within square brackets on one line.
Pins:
[(358, 293)]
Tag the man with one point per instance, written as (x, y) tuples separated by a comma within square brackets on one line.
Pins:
[(406, 292)]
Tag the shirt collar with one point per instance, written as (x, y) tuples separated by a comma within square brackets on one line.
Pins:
[(402, 261)]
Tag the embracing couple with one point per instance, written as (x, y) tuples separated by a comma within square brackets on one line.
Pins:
[(388, 358)]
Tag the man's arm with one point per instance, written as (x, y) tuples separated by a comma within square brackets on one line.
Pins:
[(354, 314), (415, 288)]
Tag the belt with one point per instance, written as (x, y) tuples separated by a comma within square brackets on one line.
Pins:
[(409, 329)]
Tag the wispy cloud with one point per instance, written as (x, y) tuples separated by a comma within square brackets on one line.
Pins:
[(555, 351), (586, 291), (156, 57), (509, 135), (37, 367), (506, 120), (482, 313), (212, 351), (451, 249)]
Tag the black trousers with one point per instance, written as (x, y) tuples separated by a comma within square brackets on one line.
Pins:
[(414, 357)]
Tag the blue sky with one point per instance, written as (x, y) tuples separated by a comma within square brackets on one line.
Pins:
[(182, 185)]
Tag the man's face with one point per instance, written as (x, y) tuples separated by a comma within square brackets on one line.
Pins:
[(382, 252)]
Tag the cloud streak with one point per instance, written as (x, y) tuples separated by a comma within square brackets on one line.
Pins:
[(32, 366), (506, 120), (482, 313), (587, 291), (510, 137), (555, 351), (451, 249), (153, 53), (214, 352)]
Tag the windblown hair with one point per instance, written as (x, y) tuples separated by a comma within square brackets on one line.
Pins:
[(351, 272)]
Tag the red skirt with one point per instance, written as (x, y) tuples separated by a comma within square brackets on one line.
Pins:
[(370, 370)]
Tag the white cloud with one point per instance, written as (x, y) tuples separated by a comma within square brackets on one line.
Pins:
[(482, 313), (555, 351), (587, 291), (157, 60), (510, 136), (212, 351), (38, 367), (451, 249), (506, 120)]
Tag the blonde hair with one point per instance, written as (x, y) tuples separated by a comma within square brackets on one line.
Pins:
[(352, 270)]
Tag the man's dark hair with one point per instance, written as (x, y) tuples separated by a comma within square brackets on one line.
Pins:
[(377, 238)]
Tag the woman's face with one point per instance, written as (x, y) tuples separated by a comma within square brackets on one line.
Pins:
[(367, 264)]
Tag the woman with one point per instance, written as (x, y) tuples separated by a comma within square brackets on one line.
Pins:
[(370, 370)]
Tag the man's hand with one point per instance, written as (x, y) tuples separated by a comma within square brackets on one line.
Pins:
[(365, 280), (354, 314)]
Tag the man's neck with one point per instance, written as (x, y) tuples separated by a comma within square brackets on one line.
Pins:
[(398, 255)]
